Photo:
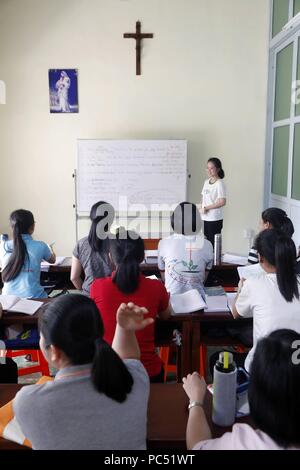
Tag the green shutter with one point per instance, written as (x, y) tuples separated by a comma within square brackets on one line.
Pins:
[(280, 160), (283, 86), (296, 7), (280, 15)]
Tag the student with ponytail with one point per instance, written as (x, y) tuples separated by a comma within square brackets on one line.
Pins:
[(213, 199), (90, 254), (127, 284), (99, 396), (272, 298), (273, 217), (21, 258)]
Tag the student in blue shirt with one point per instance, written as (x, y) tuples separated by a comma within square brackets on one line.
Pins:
[(21, 258)]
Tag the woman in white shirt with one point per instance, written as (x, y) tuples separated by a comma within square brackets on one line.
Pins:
[(274, 401), (213, 199), (271, 298)]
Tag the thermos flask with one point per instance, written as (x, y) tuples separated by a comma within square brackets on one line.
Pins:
[(218, 249), (224, 390)]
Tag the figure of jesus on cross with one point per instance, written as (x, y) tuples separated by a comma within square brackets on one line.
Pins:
[(138, 36)]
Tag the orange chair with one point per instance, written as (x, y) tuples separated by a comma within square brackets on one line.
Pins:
[(36, 355), (164, 354)]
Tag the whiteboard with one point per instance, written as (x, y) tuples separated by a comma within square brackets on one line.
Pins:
[(130, 172)]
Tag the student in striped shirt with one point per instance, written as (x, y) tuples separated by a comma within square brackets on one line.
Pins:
[(278, 219)]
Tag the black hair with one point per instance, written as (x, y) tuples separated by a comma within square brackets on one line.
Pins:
[(186, 219), (218, 164), (278, 218), (279, 250), (274, 390), (127, 252), (73, 324), (21, 222), (102, 215)]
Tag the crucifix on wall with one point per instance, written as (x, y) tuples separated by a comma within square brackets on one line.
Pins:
[(138, 36)]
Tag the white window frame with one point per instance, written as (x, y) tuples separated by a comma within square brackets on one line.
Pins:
[(277, 44)]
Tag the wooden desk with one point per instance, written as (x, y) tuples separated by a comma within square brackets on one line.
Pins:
[(190, 328), (224, 274), (167, 416)]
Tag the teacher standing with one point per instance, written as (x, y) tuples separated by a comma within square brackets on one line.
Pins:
[(213, 199)]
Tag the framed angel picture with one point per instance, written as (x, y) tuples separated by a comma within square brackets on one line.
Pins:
[(63, 90)]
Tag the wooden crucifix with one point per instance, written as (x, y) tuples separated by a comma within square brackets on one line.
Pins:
[(138, 36)]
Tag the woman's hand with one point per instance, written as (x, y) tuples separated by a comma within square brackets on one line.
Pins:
[(195, 387), (131, 317)]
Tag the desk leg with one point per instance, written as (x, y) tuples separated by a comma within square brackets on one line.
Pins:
[(185, 354), (195, 349)]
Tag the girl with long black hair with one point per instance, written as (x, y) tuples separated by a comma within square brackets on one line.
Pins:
[(90, 254), (274, 401), (273, 217), (21, 258), (127, 284), (99, 397), (272, 298)]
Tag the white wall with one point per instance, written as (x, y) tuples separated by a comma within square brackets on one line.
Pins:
[(204, 78)]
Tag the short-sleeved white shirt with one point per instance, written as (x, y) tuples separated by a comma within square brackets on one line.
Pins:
[(210, 194), (184, 260), (242, 437), (261, 299)]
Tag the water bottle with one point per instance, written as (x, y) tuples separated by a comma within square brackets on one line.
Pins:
[(218, 249), (224, 388), (4, 237)]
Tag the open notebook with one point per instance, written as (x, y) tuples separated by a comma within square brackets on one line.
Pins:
[(188, 302), (12, 303), (192, 301)]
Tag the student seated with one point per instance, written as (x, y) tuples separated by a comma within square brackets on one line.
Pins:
[(21, 258), (99, 397), (127, 284), (185, 257), (8, 367), (271, 298), (90, 254), (274, 400), (272, 218)]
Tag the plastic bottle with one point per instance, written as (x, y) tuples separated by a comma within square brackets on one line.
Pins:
[(218, 249), (224, 390)]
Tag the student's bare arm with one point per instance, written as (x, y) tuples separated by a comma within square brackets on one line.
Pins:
[(76, 270)]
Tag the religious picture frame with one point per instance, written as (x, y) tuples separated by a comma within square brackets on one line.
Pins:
[(63, 90)]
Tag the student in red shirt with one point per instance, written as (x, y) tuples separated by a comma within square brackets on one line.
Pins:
[(127, 284)]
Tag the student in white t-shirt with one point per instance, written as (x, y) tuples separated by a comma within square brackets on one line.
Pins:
[(213, 199), (185, 257), (274, 400), (271, 298)]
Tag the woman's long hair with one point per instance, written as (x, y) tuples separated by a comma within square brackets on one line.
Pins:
[(102, 216), (127, 252), (279, 251), (218, 164), (278, 219), (274, 390), (72, 323), (21, 221)]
